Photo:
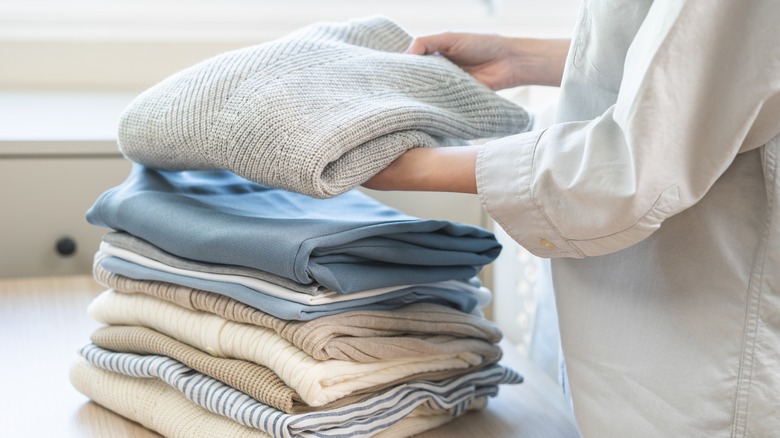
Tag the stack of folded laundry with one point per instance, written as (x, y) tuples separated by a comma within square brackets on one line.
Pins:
[(240, 304), (282, 313)]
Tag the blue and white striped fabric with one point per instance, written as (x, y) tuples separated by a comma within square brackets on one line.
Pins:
[(363, 419)]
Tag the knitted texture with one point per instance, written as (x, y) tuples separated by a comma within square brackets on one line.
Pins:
[(164, 409), (259, 382), (419, 329), (317, 112), (317, 382), (154, 404), (256, 381), (362, 419)]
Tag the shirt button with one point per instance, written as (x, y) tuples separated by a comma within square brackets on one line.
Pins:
[(211, 351), (547, 244)]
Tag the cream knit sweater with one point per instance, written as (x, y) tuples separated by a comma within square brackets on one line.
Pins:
[(318, 382), (164, 409), (317, 112)]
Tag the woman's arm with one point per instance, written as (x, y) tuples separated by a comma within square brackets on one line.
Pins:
[(499, 63)]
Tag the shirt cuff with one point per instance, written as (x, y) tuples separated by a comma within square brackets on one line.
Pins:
[(504, 174)]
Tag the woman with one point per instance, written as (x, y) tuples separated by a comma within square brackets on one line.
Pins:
[(655, 193)]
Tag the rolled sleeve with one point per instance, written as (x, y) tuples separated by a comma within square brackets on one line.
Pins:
[(594, 186), (504, 175)]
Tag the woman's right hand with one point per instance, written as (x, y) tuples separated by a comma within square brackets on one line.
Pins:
[(496, 61)]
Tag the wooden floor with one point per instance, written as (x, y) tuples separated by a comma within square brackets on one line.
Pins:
[(43, 322)]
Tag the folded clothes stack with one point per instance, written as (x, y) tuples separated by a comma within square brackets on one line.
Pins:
[(238, 309), (288, 315)]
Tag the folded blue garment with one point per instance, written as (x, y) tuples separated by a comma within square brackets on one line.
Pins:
[(464, 298), (347, 243)]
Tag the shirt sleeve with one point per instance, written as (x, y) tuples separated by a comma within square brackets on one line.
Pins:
[(698, 76)]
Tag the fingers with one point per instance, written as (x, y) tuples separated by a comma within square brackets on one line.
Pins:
[(440, 43)]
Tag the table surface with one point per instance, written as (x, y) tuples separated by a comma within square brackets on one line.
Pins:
[(43, 322)]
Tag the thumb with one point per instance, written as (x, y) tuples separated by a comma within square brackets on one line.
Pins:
[(417, 47), (428, 44)]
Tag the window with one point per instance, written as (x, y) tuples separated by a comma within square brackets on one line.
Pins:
[(131, 44)]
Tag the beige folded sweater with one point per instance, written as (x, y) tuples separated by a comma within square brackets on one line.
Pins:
[(162, 408), (317, 112), (420, 329), (317, 382), (258, 381)]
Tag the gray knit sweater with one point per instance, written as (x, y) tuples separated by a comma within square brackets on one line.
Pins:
[(317, 112)]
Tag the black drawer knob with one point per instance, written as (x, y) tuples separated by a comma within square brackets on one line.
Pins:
[(66, 247)]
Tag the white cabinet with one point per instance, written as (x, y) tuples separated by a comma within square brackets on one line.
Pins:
[(57, 154), (43, 201)]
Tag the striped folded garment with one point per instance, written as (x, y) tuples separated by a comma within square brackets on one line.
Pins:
[(164, 409), (364, 418), (317, 382), (257, 381)]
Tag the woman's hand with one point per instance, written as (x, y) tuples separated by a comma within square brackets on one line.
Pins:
[(499, 62)]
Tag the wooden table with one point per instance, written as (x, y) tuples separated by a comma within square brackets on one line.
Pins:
[(43, 322)]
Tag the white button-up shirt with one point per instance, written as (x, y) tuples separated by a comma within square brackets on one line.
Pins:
[(657, 194)]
